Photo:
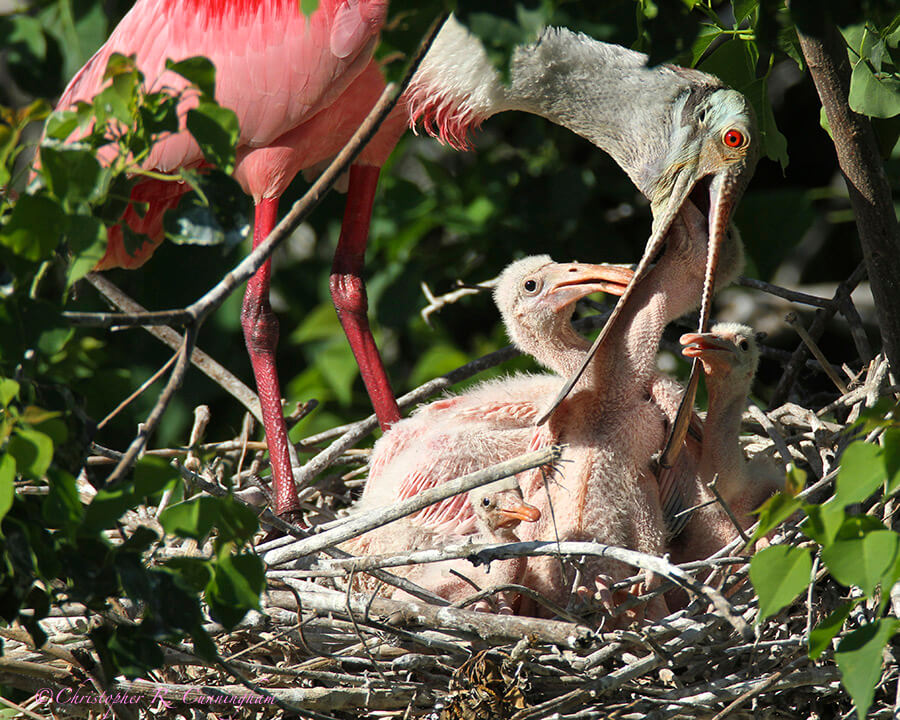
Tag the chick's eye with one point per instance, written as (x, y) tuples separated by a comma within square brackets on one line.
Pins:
[(486, 502), (530, 285), (744, 345), (733, 138)]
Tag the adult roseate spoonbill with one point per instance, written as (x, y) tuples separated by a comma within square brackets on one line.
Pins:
[(497, 510), (300, 87), (673, 130), (494, 421), (729, 356)]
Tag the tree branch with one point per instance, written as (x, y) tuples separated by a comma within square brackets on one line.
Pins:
[(867, 183)]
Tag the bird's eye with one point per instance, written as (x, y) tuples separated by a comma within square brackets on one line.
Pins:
[(744, 345), (733, 138), (486, 502), (531, 286)]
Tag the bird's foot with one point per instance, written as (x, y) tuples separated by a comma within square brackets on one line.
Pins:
[(291, 517)]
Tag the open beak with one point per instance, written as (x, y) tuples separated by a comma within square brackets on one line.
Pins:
[(725, 188), (520, 512), (696, 344), (569, 282)]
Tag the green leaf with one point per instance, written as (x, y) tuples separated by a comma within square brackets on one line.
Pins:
[(795, 480), (216, 131), (338, 367), (861, 474), (821, 636), (194, 573), (218, 213), (133, 649), (866, 562), (9, 389), (823, 522), (118, 64), (743, 8), (198, 71), (308, 7), (705, 38), (63, 508), (789, 42), (32, 450), (53, 427), (823, 122), (153, 475), (7, 483), (87, 243), (236, 523), (109, 503), (774, 144), (159, 113), (191, 518), (437, 360), (874, 94), (118, 101), (72, 173), (779, 574), (35, 227), (235, 587), (859, 658), (891, 450), (858, 526), (319, 324), (734, 62), (34, 415), (774, 511), (61, 124)]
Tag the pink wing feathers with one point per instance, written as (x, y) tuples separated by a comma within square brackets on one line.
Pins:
[(276, 68)]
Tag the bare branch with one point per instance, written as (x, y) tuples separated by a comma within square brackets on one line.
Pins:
[(203, 362)]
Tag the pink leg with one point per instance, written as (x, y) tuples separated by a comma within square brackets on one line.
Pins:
[(349, 292), (261, 335)]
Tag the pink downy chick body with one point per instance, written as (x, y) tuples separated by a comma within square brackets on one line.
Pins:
[(729, 355), (494, 421), (614, 424)]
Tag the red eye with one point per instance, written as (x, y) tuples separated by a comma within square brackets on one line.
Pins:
[(734, 138)]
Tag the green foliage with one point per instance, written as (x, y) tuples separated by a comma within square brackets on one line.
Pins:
[(858, 551), (820, 638), (57, 549), (779, 573), (875, 58), (858, 656)]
